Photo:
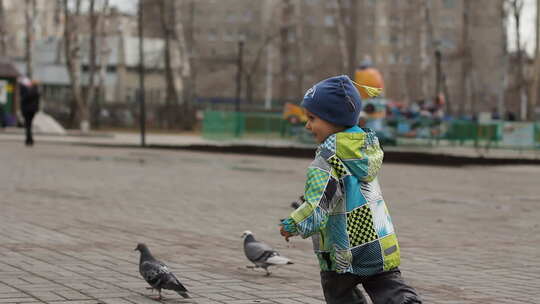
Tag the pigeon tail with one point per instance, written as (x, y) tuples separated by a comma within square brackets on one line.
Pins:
[(278, 260), (180, 289), (183, 294)]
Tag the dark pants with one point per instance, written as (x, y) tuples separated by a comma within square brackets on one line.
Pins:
[(28, 118), (384, 288)]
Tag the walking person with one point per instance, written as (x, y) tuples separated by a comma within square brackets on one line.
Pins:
[(30, 96)]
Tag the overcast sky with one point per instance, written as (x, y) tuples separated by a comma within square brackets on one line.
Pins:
[(527, 23)]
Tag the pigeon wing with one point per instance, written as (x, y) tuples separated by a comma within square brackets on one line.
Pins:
[(171, 282), (257, 251), (155, 273), (167, 280)]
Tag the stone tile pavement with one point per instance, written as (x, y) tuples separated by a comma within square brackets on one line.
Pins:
[(70, 217)]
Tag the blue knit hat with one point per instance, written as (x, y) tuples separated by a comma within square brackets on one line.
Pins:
[(335, 100)]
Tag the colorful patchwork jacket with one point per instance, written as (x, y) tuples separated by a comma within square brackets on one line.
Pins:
[(344, 210)]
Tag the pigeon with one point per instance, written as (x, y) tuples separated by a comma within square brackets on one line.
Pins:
[(157, 274), (261, 254)]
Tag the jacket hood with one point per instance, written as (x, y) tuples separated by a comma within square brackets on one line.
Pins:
[(358, 149)]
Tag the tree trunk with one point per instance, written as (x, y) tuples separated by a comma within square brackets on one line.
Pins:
[(188, 71), (72, 53), (142, 88), (90, 93), (517, 6), (341, 26), (183, 68), (533, 95), (299, 46), (428, 50), (103, 59), (465, 102), (347, 29), (285, 29), (29, 14), (3, 31), (167, 25)]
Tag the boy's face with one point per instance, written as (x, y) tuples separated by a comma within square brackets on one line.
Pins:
[(320, 128)]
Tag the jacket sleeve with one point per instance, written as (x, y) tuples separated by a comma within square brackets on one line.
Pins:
[(312, 215)]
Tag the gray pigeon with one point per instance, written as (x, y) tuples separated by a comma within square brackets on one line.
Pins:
[(260, 254), (157, 274)]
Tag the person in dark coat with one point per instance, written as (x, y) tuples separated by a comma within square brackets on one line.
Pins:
[(29, 106)]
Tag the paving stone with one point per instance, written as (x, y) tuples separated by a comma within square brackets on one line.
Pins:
[(72, 215)]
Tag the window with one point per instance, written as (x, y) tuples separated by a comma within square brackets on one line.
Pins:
[(232, 17), (331, 4), (447, 43), (212, 35), (241, 36), (329, 21), (228, 36), (328, 39), (448, 4), (407, 60), (394, 39), (291, 36), (248, 16)]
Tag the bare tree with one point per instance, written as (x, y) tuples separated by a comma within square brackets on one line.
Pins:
[(533, 95), (188, 68), (3, 31), (285, 28), (251, 71), (168, 24), (72, 56), (29, 14), (465, 52), (92, 59), (99, 54), (182, 59), (341, 25), (428, 49), (299, 47), (142, 87), (516, 7), (347, 33)]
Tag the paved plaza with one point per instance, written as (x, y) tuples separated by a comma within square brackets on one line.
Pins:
[(70, 217)]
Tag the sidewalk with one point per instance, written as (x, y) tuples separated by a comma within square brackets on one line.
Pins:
[(404, 154), (71, 215)]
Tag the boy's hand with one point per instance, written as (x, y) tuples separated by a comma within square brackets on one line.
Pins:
[(285, 233)]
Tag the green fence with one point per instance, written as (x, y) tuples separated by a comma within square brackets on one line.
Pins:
[(537, 135), (232, 125), (462, 131), (229, 125)]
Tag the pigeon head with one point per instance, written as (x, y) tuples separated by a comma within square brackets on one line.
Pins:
[(141, 247), (145, 252), (248, 237)]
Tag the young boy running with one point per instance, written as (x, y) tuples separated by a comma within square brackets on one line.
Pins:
[(344, 210)]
